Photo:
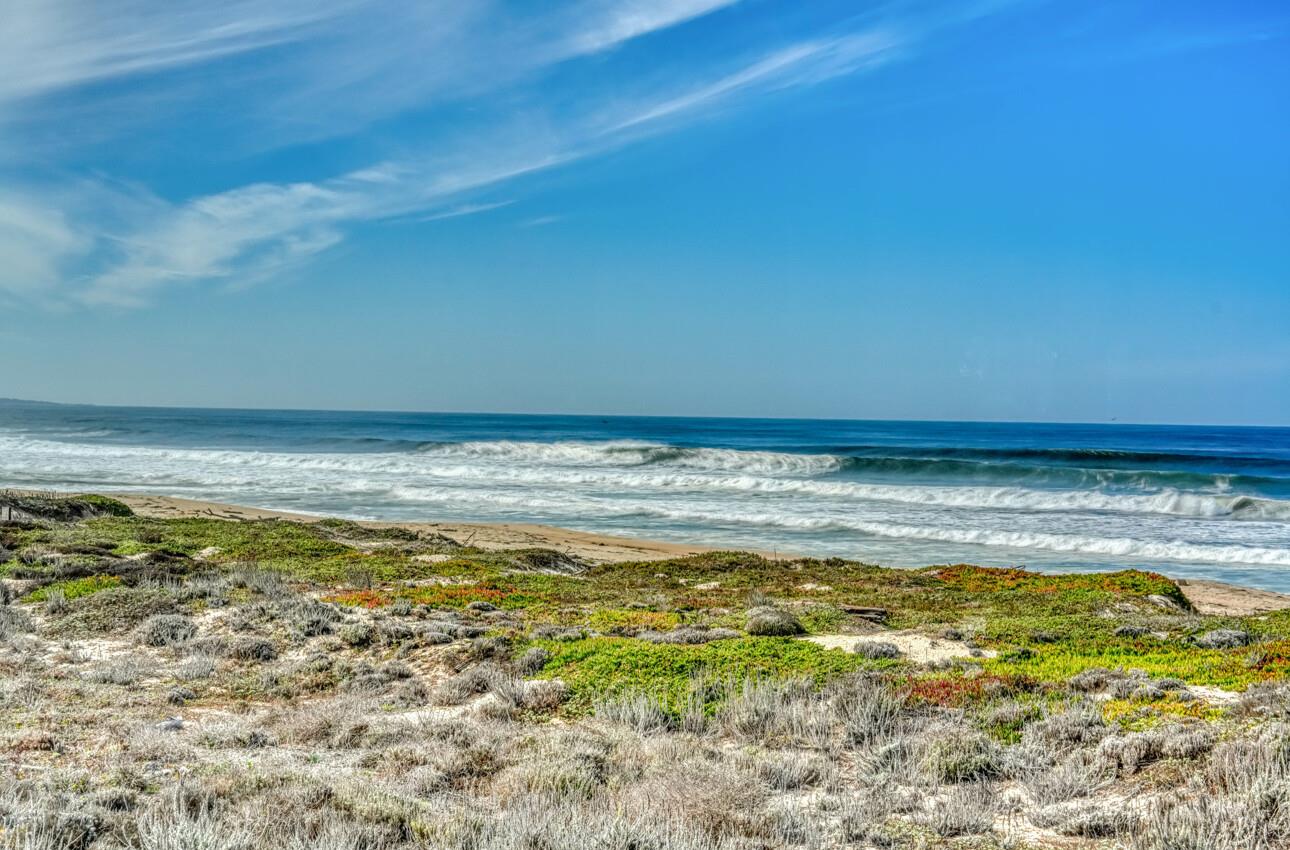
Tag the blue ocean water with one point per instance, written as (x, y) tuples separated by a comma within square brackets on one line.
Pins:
[(1188, 501)]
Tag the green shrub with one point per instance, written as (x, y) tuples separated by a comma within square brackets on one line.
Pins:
[(74, 588), (106, 505), (596, 668), (114, 610), (957, 754)]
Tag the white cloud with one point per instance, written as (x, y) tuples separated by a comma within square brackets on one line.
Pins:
[(99, 241), (611, 24), (48, 45), (464, 210), (307, 70), (34, 243), (252, 232), (797, 64)]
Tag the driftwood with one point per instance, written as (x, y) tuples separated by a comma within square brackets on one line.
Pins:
[(877, 615)]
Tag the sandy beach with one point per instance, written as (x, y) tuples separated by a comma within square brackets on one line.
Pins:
[(597, 548), (1208, 597)]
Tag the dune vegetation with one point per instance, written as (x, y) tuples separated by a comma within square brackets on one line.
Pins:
[(206, 683)]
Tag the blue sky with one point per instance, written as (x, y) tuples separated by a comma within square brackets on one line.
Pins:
[(985, 210)]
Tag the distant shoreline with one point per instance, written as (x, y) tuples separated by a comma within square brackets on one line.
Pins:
[(1208, 597)]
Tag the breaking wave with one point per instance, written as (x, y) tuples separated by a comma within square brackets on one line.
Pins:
[(1103, 506)]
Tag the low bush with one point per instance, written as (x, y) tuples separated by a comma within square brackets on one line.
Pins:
[(166, 630), (252, 648), (113, 610), (768, 621), (958, 754), (877, 649)]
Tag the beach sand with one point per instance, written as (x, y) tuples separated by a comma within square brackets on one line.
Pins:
[(597, 548), (1208, 597)]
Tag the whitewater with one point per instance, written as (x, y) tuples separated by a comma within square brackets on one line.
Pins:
[(1204, 502)]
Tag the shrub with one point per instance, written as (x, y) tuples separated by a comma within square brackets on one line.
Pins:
[(180, 695), (544, 695), (1077, 723), (877, 649), (958, 754), (122, 670), (13, 621), (356, 634), (310, 617), (73, 588), (966, 810), (468, 683), (688, 635), (868, 710), (1083, 819), (777, 712), (791, 771), (637, 710), (1223, 639), (1206, 823), (767, 621), (113, 610), (253, 649), (56, 604), (105, 505), (166, 630), (197, 667), (410, 693), (532, 661), (1072, 777), (564, 634)]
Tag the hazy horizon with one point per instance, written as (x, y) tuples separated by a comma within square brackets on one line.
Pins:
[(609, 415)]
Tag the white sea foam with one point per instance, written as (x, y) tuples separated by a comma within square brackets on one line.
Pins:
[(632, 453), (573, 465), (693, 490)]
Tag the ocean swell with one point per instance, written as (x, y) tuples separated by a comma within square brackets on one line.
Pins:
[(1090, 504)]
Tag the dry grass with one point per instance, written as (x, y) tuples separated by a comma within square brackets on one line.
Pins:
[(236, 709)]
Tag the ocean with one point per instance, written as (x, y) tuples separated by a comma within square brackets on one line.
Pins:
[(1207, 502)]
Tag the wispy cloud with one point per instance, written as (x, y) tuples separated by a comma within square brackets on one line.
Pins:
[(34, 241), (302, 70), (542, 221), (464, 210), (253, 232), (99, 241), (615, 23), (47, 45), (797, 64)]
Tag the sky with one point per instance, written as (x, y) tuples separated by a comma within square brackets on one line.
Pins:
[(999, 209)]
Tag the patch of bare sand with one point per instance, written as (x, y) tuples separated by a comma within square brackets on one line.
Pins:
[(918, 648), (1231, 600)]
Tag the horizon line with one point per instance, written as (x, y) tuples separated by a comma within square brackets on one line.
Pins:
[(1112, 423)]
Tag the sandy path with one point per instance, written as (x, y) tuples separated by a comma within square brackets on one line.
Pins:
[(1209, 597)]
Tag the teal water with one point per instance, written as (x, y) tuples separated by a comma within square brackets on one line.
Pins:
[(1189, 501)]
